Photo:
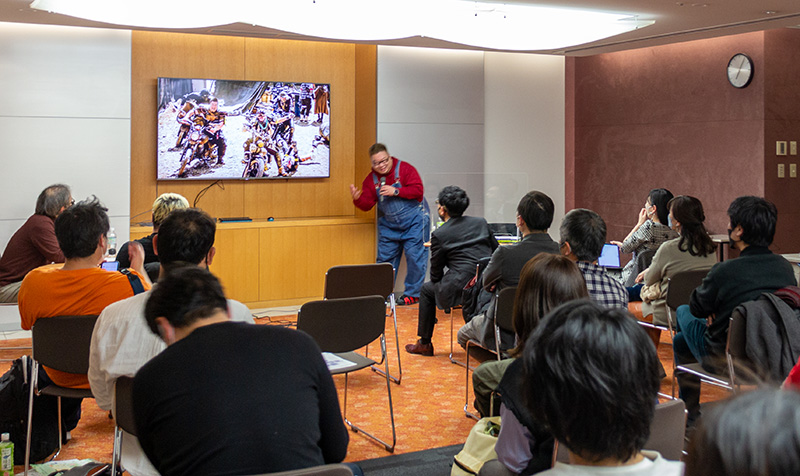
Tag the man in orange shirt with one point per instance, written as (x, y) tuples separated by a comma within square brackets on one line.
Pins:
[(81, 287)]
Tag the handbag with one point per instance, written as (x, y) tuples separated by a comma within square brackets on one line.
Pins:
[(650, 293), (479, 447)]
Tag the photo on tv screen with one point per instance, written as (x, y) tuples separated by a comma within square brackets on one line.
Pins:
[(210, 129)]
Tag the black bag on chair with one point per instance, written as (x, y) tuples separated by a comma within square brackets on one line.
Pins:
[(14, 388)]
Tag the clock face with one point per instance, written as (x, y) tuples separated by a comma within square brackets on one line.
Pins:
[(740, 70)]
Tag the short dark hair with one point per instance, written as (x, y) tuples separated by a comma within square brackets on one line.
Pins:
[(377, 147), (186, 235), (753, 434), (758, 218), (80, 227), (546, 281), (536, 210), (51, 200), (184, 296), (585, 231), (591, 377), (659, 197), (454, 199), (688, 211)]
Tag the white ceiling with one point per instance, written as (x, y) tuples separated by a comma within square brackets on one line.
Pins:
[(675, 21)]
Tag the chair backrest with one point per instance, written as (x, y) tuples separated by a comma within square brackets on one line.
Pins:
[(62, 342), (644, 258), (325, 470), (736, 336), (681, 286), (667, 432), (359, 280), (343, 325), (504, 308), (123, 404)]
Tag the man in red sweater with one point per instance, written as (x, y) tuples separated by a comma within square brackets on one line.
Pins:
[(403, 218), (34, 244)]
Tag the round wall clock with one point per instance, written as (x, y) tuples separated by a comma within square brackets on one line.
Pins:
[(740, 70)]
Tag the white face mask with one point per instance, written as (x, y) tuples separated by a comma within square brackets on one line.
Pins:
[(669, 222)]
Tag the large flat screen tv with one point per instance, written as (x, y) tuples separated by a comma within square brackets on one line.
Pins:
[(210, 129)]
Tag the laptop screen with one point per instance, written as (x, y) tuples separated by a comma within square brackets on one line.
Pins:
[(610, 256)]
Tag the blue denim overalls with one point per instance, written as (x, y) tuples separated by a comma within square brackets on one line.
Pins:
[(403, 224)]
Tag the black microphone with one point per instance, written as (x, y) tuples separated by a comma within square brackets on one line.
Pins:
[(383, 182)]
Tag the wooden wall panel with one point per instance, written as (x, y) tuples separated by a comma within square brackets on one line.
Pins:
[(237, 251)]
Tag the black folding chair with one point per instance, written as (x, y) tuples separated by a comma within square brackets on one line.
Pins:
[(123, 417), (679, 290), (61, 343), (366, 280), (503, 321), (342, 326)]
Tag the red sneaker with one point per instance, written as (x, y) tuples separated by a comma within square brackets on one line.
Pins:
[(420, 349), (407, 300)]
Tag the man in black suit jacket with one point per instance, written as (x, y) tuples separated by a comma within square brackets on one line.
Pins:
[(534, 216), (457, 245)]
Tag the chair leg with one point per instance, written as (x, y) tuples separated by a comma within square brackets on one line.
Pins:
[(31, 385), (468, 413), (115, 456), (452, 336), (397, 344), (388, 447), (58, 399)]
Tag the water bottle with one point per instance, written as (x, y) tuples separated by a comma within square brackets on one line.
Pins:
[(7, 455), (112, 246)]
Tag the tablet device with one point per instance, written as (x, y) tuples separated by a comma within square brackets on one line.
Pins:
[(610, 257), (110, 265)]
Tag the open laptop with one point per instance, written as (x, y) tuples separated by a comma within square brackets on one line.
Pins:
[(610, 258)]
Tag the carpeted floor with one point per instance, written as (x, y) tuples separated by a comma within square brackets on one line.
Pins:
[(428, 405)]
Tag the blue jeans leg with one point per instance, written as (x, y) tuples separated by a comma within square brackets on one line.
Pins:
[(416, 257), (688, 347)]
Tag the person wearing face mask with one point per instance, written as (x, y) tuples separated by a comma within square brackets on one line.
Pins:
[(650, 231), (693, 250), (729, 283), (403, 218)]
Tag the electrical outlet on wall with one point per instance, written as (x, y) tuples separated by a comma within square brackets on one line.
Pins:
[(781, 170), (792, 170), (793, 147)]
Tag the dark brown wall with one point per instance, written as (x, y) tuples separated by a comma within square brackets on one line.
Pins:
[(666, 117), (782, 122)]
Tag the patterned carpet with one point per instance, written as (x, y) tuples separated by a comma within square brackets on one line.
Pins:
[(428, 405)]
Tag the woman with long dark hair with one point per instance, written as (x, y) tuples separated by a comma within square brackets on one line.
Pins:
[(693, 250), (650, 231)]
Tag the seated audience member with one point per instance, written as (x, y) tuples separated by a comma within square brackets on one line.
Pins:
[(650, 231), (693, 251), (35, 243), (81, 287), (729, 283), (228, 397), (591, 377), (164, 204), (122, 342), (524, 446), (756, 433), (534, 217), (457, 245), (546, 281), (583, 233)]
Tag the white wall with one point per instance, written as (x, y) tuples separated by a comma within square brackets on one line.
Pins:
[(492, 123), (65, 118), (525, 136)]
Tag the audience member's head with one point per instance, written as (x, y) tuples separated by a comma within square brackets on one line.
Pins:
[(454, 200), (583, 234), (753, 221), (183, 297), (536, 210), (686, 216), (53, 200), (164, 204), (756, 433), (82, 228), (658, 198), (546, 281), (592, 377), (185, 237)]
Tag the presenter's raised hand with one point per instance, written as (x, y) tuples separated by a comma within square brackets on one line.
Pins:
[(356, 193)]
